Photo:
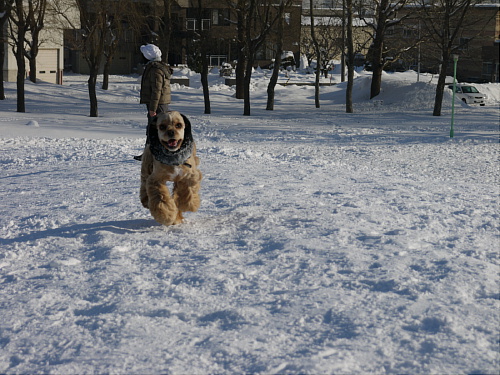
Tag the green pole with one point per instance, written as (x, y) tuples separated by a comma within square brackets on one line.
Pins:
[(455, 60)]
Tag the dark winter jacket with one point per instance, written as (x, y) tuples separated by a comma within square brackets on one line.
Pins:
[(155, 84)]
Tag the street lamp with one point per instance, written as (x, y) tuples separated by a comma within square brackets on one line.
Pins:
[(455, 60)]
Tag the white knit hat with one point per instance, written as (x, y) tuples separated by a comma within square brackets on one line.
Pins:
[(151, 52)]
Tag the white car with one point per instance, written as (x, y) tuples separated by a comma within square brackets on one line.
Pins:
[(469, 94)]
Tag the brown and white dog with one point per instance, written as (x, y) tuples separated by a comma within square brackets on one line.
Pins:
[(170, 155)]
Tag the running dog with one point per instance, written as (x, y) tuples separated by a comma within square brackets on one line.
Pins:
[(170, 155)]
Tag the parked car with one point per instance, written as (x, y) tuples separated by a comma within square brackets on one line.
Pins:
[(469, 94)]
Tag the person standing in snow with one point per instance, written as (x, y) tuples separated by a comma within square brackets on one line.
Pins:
[(155, 83)]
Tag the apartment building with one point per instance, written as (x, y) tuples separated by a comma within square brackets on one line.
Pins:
[(215, 19), (477, 44)]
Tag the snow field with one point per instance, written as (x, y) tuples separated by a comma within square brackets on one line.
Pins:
[(325, 243)]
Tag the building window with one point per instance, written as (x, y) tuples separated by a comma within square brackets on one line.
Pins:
[(409, 33), (464, 44), (217, 60), (487, 68), (323, 4), (193, 16), (190, 24), (221, 17), (194, 24)]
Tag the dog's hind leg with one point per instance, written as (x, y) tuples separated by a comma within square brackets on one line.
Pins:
[(161, 204)]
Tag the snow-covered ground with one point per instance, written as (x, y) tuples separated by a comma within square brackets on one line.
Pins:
[(326, 242)]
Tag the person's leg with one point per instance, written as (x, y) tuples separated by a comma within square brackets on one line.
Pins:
[(139, 157)]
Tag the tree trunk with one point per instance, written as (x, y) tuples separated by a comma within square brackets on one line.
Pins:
[(274, 78), (2, 58), (240, 65), (253, 27), (92, 82), (105, 73), (21, 73), (377, 65), (318, 57), (316, 86), (32, 72), (445, 54), (32, 60), (204, 82), (204, 38), (438, 99), (21, 70), (276, 69), (166, 30), (34, 22), (342, 55), (449, 34), (378, 49), (350, 59), (5, 10), (246, 86)]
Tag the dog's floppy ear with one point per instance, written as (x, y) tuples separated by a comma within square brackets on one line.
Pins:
[(187, 128)]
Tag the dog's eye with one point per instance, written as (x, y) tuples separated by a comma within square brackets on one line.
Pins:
[(163, 127), (178, 125)]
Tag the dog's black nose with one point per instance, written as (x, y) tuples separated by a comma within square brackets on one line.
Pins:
[(170, 133)]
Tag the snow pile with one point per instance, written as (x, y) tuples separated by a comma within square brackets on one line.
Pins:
[(326, 242)]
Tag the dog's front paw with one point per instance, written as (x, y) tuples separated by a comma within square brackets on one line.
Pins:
[(165, 213), (179, 218)]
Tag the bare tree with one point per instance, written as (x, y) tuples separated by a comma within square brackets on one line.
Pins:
[(121, 16), (5, 8), (28, 21), (384, 18), (328, 34), (317, 49), (110, 46), (204, 38), (256, 18), (93, 32), (240, 10), (276, 68), (198, 57), (279, 51), (348, 6), (90, 37), (99, 27), (444, 19), (166, 29), (100, 23), (35, 17), (18, 30)]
